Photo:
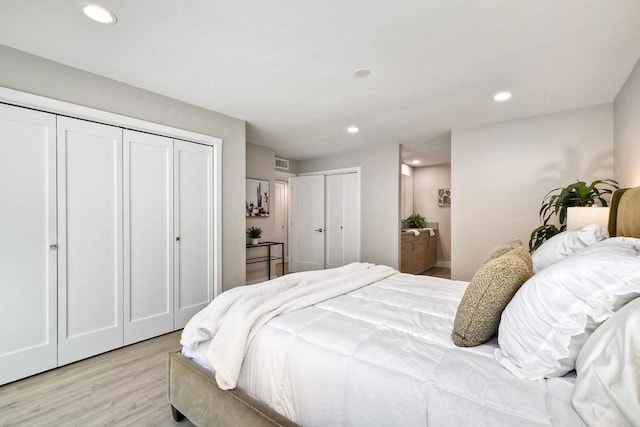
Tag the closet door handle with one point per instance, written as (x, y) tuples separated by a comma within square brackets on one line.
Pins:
[(177, 238), (319, 230)]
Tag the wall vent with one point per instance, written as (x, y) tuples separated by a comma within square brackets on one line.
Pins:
[(282, 164)]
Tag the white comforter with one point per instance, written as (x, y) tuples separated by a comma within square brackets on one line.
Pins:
[(231, 321), (382, 356)]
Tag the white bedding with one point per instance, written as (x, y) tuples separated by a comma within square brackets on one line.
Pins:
[(382, 355)]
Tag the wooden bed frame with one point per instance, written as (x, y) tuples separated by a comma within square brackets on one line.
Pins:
[(194, 394)]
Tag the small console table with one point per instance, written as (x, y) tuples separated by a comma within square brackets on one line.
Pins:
[(269, 257)]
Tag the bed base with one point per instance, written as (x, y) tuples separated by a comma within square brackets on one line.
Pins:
[(194, 394)]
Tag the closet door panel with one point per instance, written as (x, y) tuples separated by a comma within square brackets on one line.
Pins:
[(90, 237), (350, 219), (307, 223), (148, 236), (193, 210), (334, 207), (28, 227), (342, 239)]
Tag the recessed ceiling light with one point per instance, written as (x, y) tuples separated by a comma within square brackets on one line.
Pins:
[(99, 13), (415, 162), (353, 129), (362, 72), (502, 96)]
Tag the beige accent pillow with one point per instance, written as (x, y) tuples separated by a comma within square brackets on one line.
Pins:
[(501, 250), (489, 292)]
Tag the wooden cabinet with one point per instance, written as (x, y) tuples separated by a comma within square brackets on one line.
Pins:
[(418, 253)]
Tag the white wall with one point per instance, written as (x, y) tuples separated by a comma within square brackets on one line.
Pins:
[(427, 180), (500, 173), (36, 75), (380, 198), (406, 191), (626, 149)]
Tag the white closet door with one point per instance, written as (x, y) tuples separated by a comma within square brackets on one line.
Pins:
[(334, 207), (148, 236), (350, 219), (342, 228), (28, 227), (193, 210), (306, 231), (90, 271)]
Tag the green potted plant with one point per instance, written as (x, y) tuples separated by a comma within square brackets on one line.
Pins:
[(415, 221), (254, 233), (558, 200)]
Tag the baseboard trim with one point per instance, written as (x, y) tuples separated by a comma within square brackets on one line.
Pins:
[(443, 264)]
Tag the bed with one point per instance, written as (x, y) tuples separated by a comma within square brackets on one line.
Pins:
[(379, 351)]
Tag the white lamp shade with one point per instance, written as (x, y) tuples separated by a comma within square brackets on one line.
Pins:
[(579, 217)]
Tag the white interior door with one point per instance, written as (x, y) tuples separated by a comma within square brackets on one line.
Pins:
[(306, 223), (90, 261), (342, 213), (350, 218), (193, 219), (281, 215), (28, 227), (334, 207), (148, 233)]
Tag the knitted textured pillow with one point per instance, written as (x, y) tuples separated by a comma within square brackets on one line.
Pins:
[(489, 292), (501, 250)]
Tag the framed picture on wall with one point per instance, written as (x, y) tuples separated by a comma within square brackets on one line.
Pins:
[(444, 197), (257, 203)]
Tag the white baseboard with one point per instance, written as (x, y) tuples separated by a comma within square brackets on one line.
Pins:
[(443, 264)]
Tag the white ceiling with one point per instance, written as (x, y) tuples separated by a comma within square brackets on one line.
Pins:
[(287, 66)]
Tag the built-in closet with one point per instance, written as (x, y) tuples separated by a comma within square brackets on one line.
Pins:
[(324, 223), (108, 236)]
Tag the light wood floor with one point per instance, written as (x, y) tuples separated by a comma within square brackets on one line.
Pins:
[(282, 268), (125, 387), (445, 273)]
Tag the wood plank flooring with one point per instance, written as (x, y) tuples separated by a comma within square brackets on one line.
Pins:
[(125, 387), (442, 272)]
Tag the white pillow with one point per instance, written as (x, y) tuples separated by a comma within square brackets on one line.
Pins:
[(565, 244), (545, 324), (608, 371)]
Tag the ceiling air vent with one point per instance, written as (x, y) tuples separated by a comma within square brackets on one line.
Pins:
[(282, 164)]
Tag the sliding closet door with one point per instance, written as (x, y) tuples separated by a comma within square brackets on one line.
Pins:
[(90, 273), (148, 236), (193, 210), (27, 247)]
